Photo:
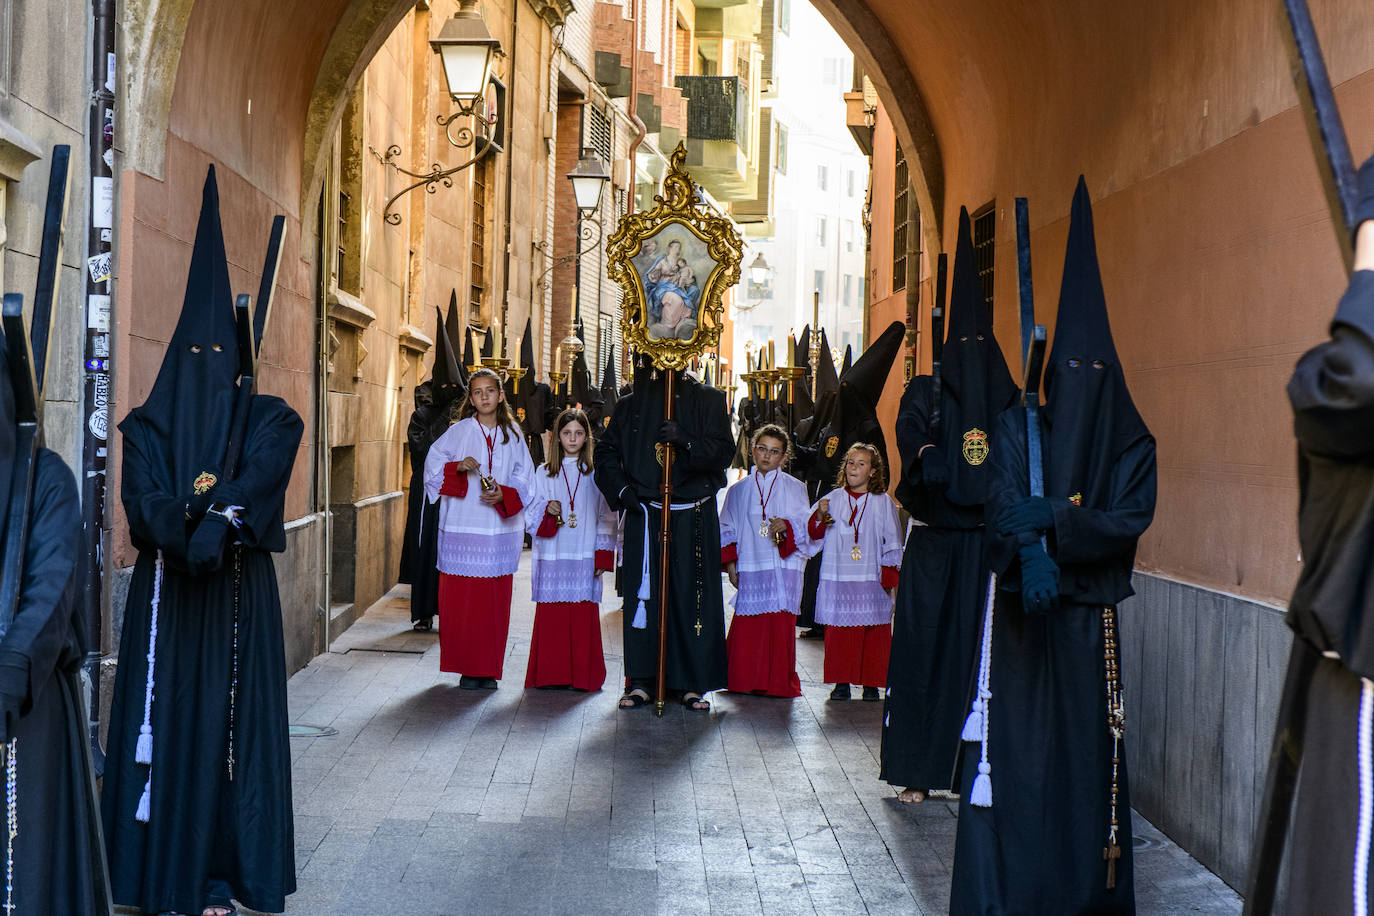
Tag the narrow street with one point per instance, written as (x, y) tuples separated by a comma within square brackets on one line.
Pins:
[(435, 800)]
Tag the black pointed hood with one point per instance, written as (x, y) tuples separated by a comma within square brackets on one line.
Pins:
[(804, 351), (527, 351), (1089, 413), (454, 328), (848, 360), (827, 380), (488, 344), (183, 426), (827, 390), (468, 358), (868, 375), (977, 384), (448, 379), (609, 393)]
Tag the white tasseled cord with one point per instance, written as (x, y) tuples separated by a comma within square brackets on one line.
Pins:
[(1366, 816), (976, 725), (640, 621), (143, 752)]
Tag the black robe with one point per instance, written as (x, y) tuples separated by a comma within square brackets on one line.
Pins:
[(1038, 849), (420, 554), (937, 619), (629, 476), (59, 858), (1332, 609), (206, 834)]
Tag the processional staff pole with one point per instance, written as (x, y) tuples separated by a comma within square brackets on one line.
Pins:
[(664, 537)]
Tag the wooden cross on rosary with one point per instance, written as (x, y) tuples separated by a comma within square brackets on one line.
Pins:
[(1111, 852)]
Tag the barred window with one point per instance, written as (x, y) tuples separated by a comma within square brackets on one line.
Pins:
[(984, 247), (900, 204), (599, 136)]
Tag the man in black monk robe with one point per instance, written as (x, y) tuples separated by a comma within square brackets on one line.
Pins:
[(1332, 609), (630, 475), (197, 793), (58, 864), (806, 446), (434, 399), (945, 477), (1048, 763)]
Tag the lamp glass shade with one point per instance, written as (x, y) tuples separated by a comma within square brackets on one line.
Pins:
[(467, 68), (588, 177)]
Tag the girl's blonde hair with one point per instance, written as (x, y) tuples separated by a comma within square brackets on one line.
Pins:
[(505, 417), (584, 457), (877, 474), (773, 431)]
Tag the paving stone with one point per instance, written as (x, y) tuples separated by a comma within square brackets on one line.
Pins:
[(434, 800)]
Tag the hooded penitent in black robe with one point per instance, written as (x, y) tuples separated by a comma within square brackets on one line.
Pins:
[(1332, 609), (630, 477), (806, 447), (434, 399), (59, 857), (855, 414), (207, 838), (939, 608), (1039, 848)]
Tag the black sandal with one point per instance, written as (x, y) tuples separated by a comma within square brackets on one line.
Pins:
[(423, 626), (634, 698), (696, 702)]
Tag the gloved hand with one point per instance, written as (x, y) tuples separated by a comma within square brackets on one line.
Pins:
[(934, 468), (1364, 200), (197, 503), (1039, 580), (1031, 514), (205, 546), (671, 433), (9, 715)]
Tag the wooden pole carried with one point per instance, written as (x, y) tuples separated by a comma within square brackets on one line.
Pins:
[(664, 556)]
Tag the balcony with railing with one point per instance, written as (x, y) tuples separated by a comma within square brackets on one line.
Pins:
[(720, 128)]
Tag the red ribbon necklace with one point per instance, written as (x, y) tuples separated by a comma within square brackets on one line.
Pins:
[(763, 501), (572, 495)]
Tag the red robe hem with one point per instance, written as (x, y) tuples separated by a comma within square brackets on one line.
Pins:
[(565, 648), (857, 655), (474, 621), (761, 654)]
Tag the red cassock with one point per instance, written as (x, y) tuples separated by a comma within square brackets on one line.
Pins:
[(761, 652), (858, 655), (474, 621), (565, 649)]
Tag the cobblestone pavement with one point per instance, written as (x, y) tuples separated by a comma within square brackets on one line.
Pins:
[(432, 799)]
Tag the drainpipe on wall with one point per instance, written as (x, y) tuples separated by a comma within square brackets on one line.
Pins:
[(510, 177), (97, 354), (641, 131)]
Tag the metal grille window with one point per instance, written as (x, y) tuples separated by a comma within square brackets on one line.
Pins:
[(340, 252), (599, 134), (900, 205), (477, 276), (984, 247)]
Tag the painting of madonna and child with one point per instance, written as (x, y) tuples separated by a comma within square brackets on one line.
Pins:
[(673, 267)]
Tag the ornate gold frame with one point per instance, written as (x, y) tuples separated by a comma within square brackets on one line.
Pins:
[(678, 203)]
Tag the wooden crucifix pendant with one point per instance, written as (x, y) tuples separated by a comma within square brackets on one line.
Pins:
[(698, 626), (1111, 852)]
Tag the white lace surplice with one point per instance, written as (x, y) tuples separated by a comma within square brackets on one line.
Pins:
[(565, 564), (474, 540), (851, 592), (767, 582)]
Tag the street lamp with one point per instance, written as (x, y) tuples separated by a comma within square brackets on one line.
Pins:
[(467, 50), (758, 271), (588, 177)]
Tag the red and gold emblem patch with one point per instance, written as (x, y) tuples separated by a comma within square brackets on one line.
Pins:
[(204, 481), (831, 445), (658, 453), (975, 446), (1076, 499), (520, 414)]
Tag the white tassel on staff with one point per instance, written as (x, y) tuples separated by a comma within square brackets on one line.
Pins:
[(143, 751), (976, 725)]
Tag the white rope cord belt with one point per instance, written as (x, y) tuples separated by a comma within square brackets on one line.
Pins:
[(976, 725), (143, 752), (641, 621)]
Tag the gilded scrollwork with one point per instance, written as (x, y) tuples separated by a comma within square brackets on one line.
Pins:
[(658, 257)]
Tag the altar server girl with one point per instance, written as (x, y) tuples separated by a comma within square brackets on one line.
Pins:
[(861, 555), (480, 473), (573, 534), (764, 549)]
